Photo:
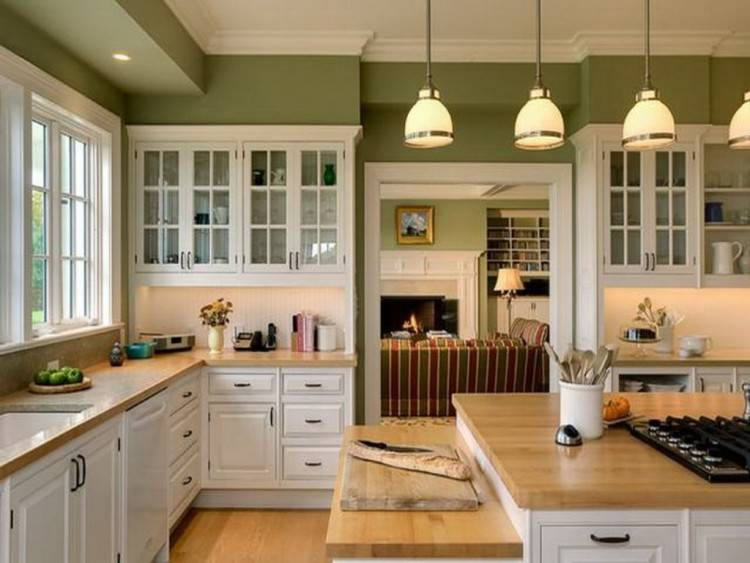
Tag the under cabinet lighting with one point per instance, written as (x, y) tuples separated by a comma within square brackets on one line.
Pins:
[(121, 57)]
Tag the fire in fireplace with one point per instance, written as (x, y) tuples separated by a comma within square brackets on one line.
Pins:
[(417, 314)]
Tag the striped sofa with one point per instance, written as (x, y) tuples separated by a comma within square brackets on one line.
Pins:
[(418, 379)]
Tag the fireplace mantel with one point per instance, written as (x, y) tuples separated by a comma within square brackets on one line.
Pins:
[(460, 266)]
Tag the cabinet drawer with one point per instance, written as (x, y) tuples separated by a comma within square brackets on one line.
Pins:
[(313, 383), (183, 433), (310, 463), (615, 544), (313, 420), (183, 393), (184, 480), (241, 383)]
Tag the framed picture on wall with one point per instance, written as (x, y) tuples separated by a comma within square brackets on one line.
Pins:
[(415, 224)]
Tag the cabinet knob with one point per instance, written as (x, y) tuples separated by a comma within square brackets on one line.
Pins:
[(610, 539), (313, 385), (187, 480), (313, 420), (243, 384), (187, 434), (313, 463)]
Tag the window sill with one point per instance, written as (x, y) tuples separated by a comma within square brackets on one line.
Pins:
[(58, 337)]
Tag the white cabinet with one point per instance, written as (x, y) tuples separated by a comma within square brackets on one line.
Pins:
[(649, 223), (242, 442), (725, 543), (609, 544), (294, 202), (743, 376), (535, 308), (66, 507), (186, 207), (714, 380)]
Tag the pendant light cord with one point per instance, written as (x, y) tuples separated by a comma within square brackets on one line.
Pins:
[(429, 48), (538, 80), (647, 44)]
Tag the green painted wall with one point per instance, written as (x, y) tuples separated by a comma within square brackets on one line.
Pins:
[(730, 78), (166, 30), (277, 90), (26, 41), (459, 224)]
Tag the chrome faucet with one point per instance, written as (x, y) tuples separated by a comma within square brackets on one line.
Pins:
[(746, 391)]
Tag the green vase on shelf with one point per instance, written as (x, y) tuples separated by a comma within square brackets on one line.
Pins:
[(329, 175)]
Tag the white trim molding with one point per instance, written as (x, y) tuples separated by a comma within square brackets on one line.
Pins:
[(241, 42), (456, 266), (558, 178)]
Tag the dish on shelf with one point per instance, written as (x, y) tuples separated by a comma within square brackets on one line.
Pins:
[(665, 387)]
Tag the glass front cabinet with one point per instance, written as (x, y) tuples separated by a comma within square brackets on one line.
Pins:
[(293, 200), (649, 204), (239, 207)]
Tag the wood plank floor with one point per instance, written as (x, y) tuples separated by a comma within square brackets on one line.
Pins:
[(249, 536)]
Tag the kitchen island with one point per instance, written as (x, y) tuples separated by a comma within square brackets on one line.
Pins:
[(615, 499)]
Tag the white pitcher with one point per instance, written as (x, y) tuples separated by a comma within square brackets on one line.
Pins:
[(725, 257)]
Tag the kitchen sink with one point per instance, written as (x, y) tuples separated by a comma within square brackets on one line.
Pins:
[(19, 423)]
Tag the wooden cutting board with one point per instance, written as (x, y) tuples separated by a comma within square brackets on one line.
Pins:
[(367, 485)]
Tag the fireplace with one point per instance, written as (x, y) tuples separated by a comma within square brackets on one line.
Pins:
[(417, 314)]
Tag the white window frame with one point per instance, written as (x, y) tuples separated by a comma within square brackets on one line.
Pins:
[(58, 124), (26, 90)]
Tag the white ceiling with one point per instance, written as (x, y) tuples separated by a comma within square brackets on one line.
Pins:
[(464, 29)]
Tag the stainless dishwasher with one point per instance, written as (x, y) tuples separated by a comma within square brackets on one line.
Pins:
[(146, 483)]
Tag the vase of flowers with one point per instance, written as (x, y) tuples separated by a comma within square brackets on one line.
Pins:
[(216, 316)]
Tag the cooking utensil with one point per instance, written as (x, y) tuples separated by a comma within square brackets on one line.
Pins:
[(391, 448)]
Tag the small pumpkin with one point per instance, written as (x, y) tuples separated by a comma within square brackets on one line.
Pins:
[(617, 407)]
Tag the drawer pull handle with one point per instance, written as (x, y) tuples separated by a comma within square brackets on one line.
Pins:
[(313, 463), (187, 394), (187, 434), (187, 480), (610, 539), (313, 385), (313, 421), (242, 384)]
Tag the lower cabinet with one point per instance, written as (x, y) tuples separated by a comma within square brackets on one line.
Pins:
[(714, 380), (610, 544), (66, 507), (721, 544), (242, 442)]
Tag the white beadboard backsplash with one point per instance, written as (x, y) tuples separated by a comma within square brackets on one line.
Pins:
[(175, 309), (722, 314)]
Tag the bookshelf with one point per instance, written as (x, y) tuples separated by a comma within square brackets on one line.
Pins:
[(518, 239)]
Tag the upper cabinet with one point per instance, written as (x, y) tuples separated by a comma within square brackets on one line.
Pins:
[(258, 205), (293, 207), (649, 221)]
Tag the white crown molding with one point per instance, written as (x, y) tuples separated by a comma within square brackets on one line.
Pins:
[(734, 45), (241, 42), (196, 18), (397, 191)]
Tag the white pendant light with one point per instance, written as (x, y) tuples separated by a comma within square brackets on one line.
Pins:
[(539, 124), (649, 124), (739, 127), (428, 125)]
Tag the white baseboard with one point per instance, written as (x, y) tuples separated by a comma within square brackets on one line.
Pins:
[(277, 498)]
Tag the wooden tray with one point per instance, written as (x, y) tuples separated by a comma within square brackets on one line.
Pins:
[(367, 485), (55, 389)]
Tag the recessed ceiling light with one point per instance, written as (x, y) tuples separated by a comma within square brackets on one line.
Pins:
[(121, 56)]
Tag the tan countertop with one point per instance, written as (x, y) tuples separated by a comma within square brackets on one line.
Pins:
[(115, 390), (719, 357), (486, 532), (516, 432)]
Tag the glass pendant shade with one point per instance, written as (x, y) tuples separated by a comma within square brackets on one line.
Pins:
[(739, 127), (428, 124), (539, 124), (649, 124)]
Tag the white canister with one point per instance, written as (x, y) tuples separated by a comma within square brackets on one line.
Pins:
[(581, 406), (326, 338), (666, 343)]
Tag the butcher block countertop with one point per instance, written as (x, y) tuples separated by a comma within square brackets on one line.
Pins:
[(115, 390), (516, 433), (718, 357), (486, 532)]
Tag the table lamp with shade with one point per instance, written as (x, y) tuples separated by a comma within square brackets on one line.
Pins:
[(508, 282)]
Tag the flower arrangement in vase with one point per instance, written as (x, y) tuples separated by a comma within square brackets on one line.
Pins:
[(216, 316)]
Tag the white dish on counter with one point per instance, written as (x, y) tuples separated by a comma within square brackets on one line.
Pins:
[(665, 387)]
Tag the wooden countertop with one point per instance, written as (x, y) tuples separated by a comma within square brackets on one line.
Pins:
[(115, 390), (516, 433), (718, 357), (486, 532)]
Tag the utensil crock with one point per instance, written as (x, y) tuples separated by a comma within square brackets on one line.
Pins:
[(581, 407)]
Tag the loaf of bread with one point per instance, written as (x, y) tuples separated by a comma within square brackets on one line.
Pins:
[(425, 462)]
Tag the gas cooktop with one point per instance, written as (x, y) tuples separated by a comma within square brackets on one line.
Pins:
[(716, 449)]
